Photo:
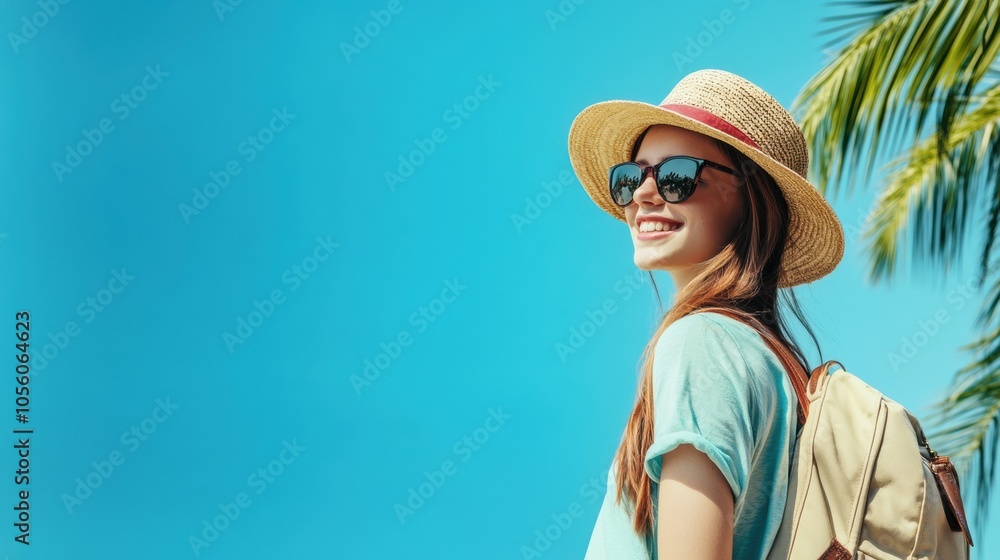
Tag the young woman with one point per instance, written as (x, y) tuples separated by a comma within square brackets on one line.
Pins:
[(711, 183)]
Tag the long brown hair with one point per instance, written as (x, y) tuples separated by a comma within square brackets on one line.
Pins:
[(742, 277)]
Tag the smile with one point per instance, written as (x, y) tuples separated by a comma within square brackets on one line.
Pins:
[(659, 226), (657, 234), (649, 230)]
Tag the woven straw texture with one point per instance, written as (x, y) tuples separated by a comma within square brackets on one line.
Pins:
[(602, 135)]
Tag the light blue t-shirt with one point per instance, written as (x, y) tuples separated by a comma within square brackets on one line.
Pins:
[(717, 386)]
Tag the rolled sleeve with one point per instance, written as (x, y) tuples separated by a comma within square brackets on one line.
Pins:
[(703, 396)]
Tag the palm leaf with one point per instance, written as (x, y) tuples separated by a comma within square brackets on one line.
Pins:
[(914, 51), (965, 425), (931, 193)]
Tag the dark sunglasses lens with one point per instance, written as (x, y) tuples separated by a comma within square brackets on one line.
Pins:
[(624, 180), (676, 179)]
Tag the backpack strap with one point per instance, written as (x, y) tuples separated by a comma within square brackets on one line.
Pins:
[(795, 371), (819, 379)]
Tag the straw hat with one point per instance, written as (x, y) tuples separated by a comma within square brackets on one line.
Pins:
[(731, 109)]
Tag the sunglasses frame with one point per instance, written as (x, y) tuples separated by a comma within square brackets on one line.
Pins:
[(701, 163)]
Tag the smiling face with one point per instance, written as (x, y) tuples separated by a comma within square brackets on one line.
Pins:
[(708, 219)]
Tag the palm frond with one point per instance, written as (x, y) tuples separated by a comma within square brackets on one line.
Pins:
[(965, 425), (992, 222), (932, 190), (881, 88), (989, 312)]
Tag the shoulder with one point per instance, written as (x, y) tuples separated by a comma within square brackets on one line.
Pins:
[(704, 329), (713, 340), (700, 341), (714, 325)]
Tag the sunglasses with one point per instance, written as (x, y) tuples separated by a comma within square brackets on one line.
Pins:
[(676, 178)]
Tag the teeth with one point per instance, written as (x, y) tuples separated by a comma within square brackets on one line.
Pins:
[(653, 225)]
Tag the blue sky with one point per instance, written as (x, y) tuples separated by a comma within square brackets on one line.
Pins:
[(278, 282)]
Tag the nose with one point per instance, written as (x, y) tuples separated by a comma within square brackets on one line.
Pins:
[(646, 192)]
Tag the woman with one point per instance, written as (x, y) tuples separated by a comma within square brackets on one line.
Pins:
[(711, 184)]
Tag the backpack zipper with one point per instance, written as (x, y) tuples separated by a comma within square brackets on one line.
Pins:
[(928, 446)]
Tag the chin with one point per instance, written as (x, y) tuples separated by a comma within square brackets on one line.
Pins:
[(661, 258), (648, 262)]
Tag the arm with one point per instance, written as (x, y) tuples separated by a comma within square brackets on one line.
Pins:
[(695, 517), (706, 421)]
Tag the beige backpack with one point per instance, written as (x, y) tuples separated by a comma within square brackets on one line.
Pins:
[(864, 483)]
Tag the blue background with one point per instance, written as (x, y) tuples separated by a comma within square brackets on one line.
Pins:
[(497, 295)]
